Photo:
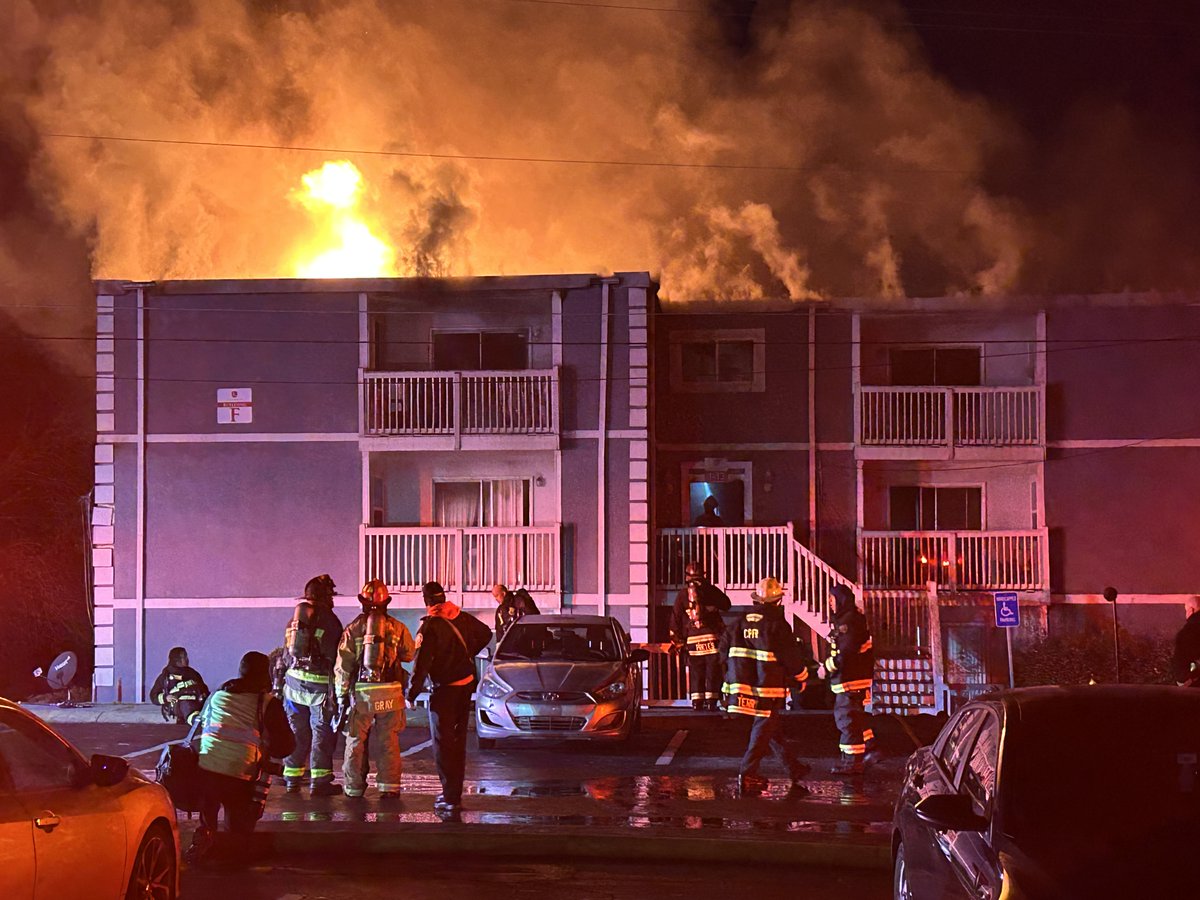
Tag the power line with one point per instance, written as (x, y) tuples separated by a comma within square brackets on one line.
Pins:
[(477, 157)]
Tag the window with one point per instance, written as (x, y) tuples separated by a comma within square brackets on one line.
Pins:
[(916, 508), (473, 351), (718, 361), (921, 366), (35, 760), (473, 504), (979, 777), (957, 739), (569, 643)]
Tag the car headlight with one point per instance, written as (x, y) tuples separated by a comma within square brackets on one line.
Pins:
[(611, 691), (493, 688)]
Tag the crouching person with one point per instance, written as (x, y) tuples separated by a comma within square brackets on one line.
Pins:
[(242, 727)]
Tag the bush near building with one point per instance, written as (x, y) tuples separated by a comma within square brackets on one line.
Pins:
[(1087, 655)]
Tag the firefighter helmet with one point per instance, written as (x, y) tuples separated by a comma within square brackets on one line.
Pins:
[(320, 589), (693, 572), (374, 595), (769, 590), (843, 598)]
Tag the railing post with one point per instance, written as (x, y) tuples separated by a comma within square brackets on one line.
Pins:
[(952, 541), (461, 557), (722, 562), (948, 399)]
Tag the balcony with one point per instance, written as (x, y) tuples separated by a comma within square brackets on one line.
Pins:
[(466, 561), (736, 559), (461, 410), (955, 560), (949, 422)]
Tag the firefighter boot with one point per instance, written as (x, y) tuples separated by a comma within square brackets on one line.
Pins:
[(851, 764)]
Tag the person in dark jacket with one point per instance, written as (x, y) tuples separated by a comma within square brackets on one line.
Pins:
[(512, 605), (242, 728), (1185, 662), (850, 669), (179, 689), (762, 661), (696, 624), (710, 518), (447, 643), (310, 649)]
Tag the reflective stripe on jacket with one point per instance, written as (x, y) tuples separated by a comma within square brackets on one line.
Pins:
[(762, 662), (305, 688), (230, 735), (851, 662)]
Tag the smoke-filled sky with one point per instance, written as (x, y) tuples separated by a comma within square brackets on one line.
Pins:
[(832, 148)]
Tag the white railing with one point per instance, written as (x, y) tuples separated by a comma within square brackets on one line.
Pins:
[(734, 558), (951, 416), (814, 578), (463, 559), (964, 560), (457, 403)]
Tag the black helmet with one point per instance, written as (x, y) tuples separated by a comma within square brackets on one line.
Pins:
[(320, 589), (693, 572)]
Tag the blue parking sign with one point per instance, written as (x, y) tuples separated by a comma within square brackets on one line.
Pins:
[(1008, 611)]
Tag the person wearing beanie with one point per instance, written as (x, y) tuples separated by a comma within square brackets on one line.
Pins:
[(447, 643), (850, 669), (763, 662), (241, 729)]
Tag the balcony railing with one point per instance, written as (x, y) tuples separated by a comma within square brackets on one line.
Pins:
[(404, 404), (464, 560), (959, 560), (951, 416), (736, 559)]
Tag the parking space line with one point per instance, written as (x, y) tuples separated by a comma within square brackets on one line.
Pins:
[(669, 753), (417, 748)]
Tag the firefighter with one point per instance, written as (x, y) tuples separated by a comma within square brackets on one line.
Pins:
[(1185, 663), (310, 646), (242, 727), (850, 668), (511, 605), (370, 683), (696, 624), (762, 661), (447, 643), (179, 689)]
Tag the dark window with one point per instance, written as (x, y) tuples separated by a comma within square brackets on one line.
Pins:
[(475, 350), (912, 508), (730, 362), (34, 760), (958, 739), (979, 777), (950, 366)]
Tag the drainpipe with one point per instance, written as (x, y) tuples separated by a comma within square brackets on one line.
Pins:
[(602, 452), (139, 564)]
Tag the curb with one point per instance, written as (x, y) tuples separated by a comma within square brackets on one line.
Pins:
[(854, 851), (109, 713)]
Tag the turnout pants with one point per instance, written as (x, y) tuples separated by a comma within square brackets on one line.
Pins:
[(766, 736), (386, 727), (449, 710), (315, 742), (236, 795), (704, 678), (856, 737)]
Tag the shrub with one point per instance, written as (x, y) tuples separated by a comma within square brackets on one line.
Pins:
[(1082, 656)]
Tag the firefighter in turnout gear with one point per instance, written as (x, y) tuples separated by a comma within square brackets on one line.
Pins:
[(179, 689), (850, 669), (370, 685), (310, 646), (696, 624), (762, 662)]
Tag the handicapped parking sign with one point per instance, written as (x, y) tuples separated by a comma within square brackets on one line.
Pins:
[(1008, 611)]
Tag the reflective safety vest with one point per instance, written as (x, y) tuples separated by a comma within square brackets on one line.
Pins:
[(230, 734)]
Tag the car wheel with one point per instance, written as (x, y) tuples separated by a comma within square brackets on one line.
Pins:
[(487, 743), (153, 876), (901, 889)]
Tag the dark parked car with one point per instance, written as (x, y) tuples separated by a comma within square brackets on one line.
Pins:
[(1055, 792)]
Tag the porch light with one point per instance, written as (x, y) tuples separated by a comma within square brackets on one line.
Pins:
[(924, 560)]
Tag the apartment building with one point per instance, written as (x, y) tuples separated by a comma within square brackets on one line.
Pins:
[(252, 434)]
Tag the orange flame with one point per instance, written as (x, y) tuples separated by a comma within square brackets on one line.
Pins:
[(345, 246)]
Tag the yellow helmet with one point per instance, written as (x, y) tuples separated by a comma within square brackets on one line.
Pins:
[(374, 595)]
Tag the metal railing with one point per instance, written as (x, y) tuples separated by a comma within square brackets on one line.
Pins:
[(463, 559), (964, 560), (951, 416), (735, 558), (457, 403)]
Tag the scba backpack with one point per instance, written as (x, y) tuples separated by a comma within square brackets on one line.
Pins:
[(178, 770)]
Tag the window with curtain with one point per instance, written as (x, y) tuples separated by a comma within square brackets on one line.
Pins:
[(487, 504)]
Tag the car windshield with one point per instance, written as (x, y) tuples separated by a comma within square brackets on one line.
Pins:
[(566, 642), (1102, 777)]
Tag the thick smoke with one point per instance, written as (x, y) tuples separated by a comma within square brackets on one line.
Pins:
[(870, 173)]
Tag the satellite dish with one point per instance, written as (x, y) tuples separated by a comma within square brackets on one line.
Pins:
[(61, 674)]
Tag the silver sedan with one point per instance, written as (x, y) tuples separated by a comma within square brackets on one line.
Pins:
[(561, 677)]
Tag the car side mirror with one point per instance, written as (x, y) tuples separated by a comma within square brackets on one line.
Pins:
[(950, 812), (640, 655), (108, 770)]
